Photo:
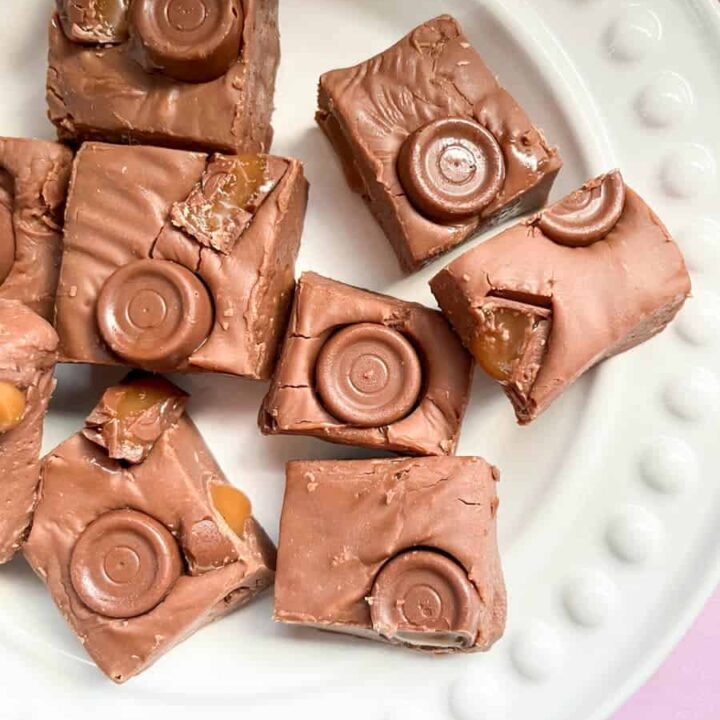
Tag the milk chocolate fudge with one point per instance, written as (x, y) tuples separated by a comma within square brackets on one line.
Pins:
[(539, 304), (402, 551), (365, 369), (194, 74), (138, 535), (34, 176), (179, 261), (436, 147), (28, 346)]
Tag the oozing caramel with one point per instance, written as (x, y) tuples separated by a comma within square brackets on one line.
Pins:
[(143, 394), (12, 406), (233, 505), (502, 341)]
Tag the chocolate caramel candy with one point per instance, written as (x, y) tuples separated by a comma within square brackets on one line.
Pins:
[(154, 313), (124, 564), (190, 40), (94, 21), (586, 215), (368, 375), (424, 598), (451, 169)]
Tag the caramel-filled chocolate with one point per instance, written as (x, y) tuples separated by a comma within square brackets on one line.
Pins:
[(360, 368), (435, 145), (140, 552), (359, 552), (94, 22), (34, 177), (28, 351), (539, 304), (192, 74), (179, 261)]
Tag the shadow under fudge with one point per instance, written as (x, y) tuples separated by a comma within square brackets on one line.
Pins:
[(162, 73), (136, 565), (179, 261), (437, 148), (365, 369), (539, 304)]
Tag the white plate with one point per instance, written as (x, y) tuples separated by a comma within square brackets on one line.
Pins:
[(610, 505)]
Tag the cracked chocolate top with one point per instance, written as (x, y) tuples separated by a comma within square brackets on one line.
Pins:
[(179, 261), (366, 369)]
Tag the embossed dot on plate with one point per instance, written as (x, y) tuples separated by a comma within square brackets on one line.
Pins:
[(693, 394), (589, 598), (699, 320), (537, 652), (633, 34), (477, 696), (700, 243), (666, 101), (668, 464), (688, 171), (634, 535)]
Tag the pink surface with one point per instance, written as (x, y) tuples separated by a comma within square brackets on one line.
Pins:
[(687, 686)]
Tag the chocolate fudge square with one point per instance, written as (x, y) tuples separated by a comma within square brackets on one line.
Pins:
[(402, 551), (28, 351), (34, 176), (138, 535), (436, 147), (195, 74), (539, 304), (179, 261), (365, 369)]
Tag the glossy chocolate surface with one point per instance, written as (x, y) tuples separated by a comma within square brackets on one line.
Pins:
[(407, 372), (179, 261), (196, 74), (451, 169), (588, 289), (432, 75), (360, 553), (28, 351), (137, 556), (34, 177)]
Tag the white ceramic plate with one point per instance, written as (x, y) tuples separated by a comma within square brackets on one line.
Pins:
[(610, 502)]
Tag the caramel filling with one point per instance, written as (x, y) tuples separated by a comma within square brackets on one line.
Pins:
[(503, 341), (236, 186), (143, 394), (12, 406), (233, 505)]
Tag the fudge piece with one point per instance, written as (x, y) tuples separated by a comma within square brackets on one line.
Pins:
[(436, 147), (34, 176), (179, 261), (195, 74), (143, 542), (361, 553), (539, 304), (28, 349), (360, 368)]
